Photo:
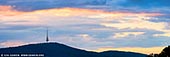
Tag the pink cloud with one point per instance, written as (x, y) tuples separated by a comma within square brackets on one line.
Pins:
[(8, 11), (12, 43)]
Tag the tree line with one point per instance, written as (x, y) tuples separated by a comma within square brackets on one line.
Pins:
[(165, 53)]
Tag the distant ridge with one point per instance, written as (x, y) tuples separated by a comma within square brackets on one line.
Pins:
[(61, 50)]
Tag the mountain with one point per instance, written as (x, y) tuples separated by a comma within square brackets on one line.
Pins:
[(61, 50), (121, 54)]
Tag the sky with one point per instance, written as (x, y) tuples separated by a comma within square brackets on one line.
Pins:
[(141, 26)]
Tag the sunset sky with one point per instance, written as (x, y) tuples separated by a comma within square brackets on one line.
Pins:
[(97, 25)]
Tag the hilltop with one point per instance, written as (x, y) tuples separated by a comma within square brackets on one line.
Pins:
[(61, 50)]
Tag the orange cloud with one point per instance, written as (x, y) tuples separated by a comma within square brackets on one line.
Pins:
[(69, 12), (134, 49), (8, 11), (66, 12), (49, 16)]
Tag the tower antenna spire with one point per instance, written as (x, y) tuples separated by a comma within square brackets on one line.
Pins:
[(47, 38)]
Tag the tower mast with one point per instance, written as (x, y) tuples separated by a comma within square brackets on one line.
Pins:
[(47, 38)]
